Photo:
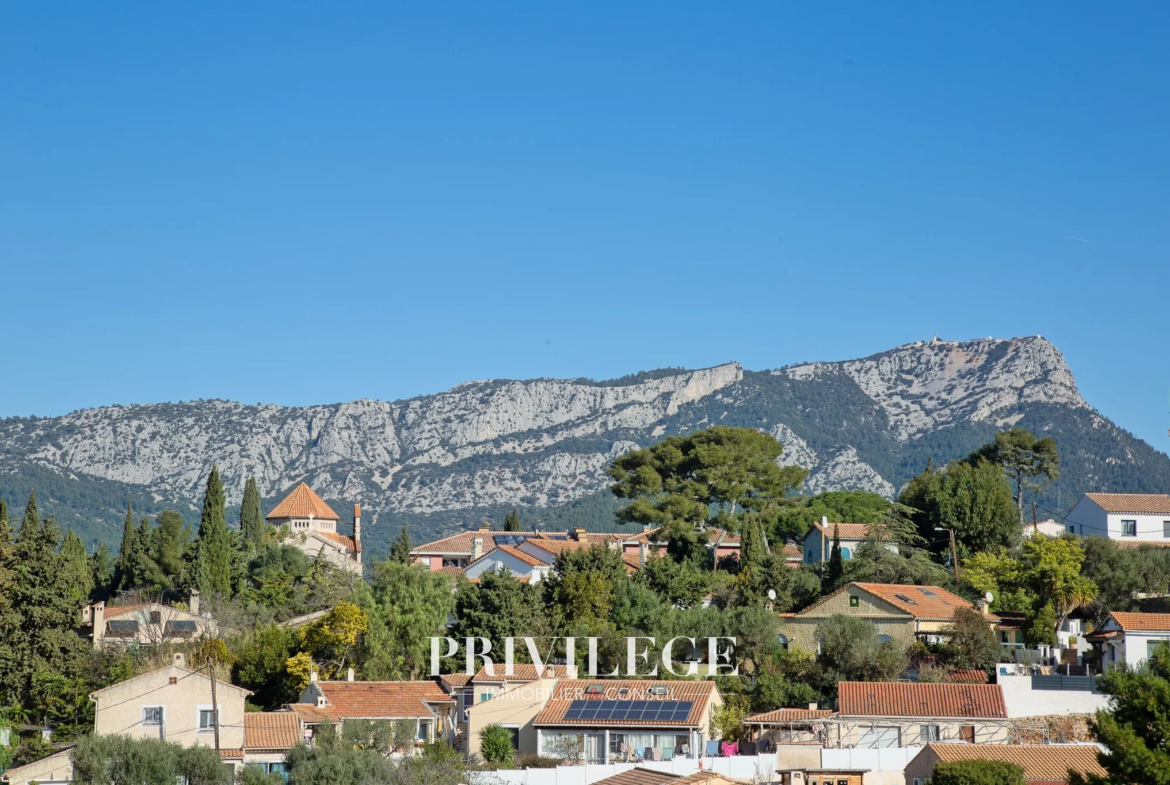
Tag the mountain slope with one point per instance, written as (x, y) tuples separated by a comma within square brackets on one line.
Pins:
[(455, 457)]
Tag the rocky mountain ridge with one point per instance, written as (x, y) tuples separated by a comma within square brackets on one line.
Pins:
[(454, 456)]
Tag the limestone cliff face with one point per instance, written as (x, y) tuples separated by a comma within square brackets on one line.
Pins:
[(864, 424)]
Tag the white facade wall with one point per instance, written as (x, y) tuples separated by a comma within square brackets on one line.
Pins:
[(1090, 520), (497, 560), (1023, 701)]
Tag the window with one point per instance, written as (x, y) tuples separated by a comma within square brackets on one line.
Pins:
[(1152, 646), (205, 719), (928, 593), (844, 553), (156, 617), (883, 638), (595, 689), (467, 698), (152, 715), (927, 733), (424, 730), (1166, 528), (1071, 530), (485, 696), (906, 599), (783, 641), (1129, 528), (854, 601), (918, 781)]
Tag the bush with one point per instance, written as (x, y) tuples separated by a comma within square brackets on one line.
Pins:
[(977, 772), (533, 761), (495, 745)]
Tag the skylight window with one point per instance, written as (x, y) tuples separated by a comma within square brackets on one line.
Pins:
[(904, 598), (594, 689), (928, 593)]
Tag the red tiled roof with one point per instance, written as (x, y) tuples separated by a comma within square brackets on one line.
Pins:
[(1134, 544), (345, 542), (849, 531), (1041, 762), (271, 730), (1133, 503), (1157, 622), (231, 754), (640, 776), (115, 611), (569, 690), (520, 673), (377, 699), (791, 551), (967, 676), (919, 604), (788, 715), (901, 699), (302, 503), (515, 552), (456, 679)]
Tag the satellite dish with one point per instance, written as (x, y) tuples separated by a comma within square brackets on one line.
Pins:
[(989, 596), (771, 594)]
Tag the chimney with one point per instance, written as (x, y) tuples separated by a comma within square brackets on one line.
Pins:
[(313, 676), (643, 548), (476, 548), (485, 528), (984, 605), (179, 660), (614, 544), (357, 532), (99, 624), (349, 674), (193, 604), (579, 535), (320, 700), (812, 707)]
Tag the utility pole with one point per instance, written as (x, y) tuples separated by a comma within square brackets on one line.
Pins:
[(214, 706), (954, 550)]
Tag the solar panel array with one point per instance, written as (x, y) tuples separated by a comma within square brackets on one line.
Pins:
[(657, 711), (510, 539)]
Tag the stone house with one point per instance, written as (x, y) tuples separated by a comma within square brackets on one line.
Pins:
[(146, 623), (901, 612), (875, 715), (312, 527)]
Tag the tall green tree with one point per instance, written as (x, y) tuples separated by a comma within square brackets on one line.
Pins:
[(128, 552), (1024, 459), (836, 569), (251, 518), (512, 521), (1134, 729), (973, 499), (9, 614), (75, 570), (171, 541), (712, 477), (401, 547), (101, 568), (407, 604), (851, 650), (214, 542)]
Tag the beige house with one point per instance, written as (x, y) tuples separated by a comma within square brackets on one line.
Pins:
[(875, 715), (312, 527), (173, 704), (54, 769), (146, 624), (902, 612), (423, 703), (789, 726), (268, 736)]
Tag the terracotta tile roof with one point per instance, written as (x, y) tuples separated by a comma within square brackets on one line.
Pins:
[(231, 754), (309, 714), (1041, 762), (640, 777), (271, 730), (849, 531), (902, 699), (1142, 621), (456, 679), (1133, 503), (116, 611), (1133, 544), (345, 542), (302, 503), (791, 551), (378, 699), (520, 673), (515, 552), (915, 601), (569, 690), (967, 676), (788, 715), (454, 572), (709, 778)]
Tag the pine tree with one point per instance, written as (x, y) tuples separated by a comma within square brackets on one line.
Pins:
[(101, 567), (9, 617), (170, 543), (49, 612), (836, 570), (75, 567), (401, 547), (124, 569), (512, 521), (213, 572), (251, 518)]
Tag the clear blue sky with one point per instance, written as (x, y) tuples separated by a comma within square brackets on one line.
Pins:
[(309, 203)]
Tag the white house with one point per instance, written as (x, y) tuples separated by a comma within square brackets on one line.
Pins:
[(1049, 528), (523, 566), (1130, 638), (1138, 518)]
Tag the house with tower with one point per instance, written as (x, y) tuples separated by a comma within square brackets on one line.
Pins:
[(312, 527)]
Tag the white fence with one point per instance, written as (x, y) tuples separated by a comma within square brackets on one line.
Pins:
[(885, 759), (746, 767)]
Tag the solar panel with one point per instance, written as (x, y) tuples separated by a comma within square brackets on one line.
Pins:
[(122, 625), (629, 711), (510, 539), (181, 625)]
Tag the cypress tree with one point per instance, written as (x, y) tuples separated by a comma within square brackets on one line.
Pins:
[(75, 570), (251, 518), (214, 563), (400, 549), (836, 564), (124, 569), (170, 543), (101, 567), (512, 521), (9, 617)]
